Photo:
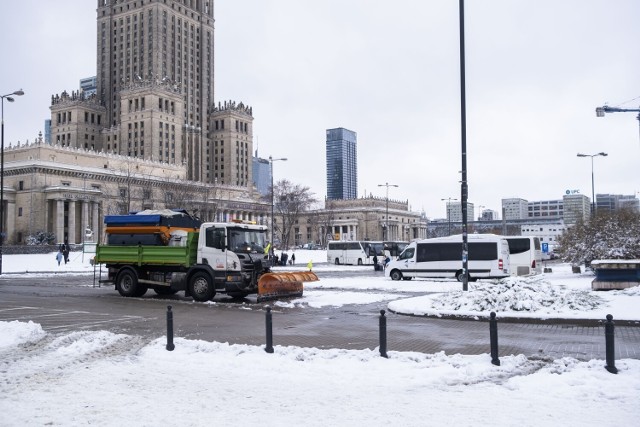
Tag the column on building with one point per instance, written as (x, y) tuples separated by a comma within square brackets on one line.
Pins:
[(71, 226), (10, 222), (86, 224), (60, 221), (95, 221)]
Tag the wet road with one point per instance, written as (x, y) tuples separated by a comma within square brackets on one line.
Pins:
[(66, 303)]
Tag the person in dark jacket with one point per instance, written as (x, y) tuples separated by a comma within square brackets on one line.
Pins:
[(65, 253)]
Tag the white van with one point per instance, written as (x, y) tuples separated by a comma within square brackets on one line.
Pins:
[(526, 255), (442, 257)]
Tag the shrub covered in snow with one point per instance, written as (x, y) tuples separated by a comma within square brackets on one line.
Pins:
[(40, 238), (609, 235)]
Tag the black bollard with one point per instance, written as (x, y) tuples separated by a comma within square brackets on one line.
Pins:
[(170, 345), (609, 338), (383, 335), (269, 322), (493, 336)]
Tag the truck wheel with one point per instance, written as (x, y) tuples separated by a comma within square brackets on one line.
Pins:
[(460, 276), (127, 283), (396, 275), (359, 261), (337, 261), (201, 287)]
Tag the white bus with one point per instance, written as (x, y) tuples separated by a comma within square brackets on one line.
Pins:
[(526, 255), (353, 252), (395, 248), (442, 257)]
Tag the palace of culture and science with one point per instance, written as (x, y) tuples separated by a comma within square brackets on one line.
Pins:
[(152, 136)]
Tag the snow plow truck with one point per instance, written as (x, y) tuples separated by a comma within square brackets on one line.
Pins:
[(170, 251)]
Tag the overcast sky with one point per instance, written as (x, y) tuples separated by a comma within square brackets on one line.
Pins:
[(390, 71)]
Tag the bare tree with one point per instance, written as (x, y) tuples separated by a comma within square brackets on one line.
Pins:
[(325, 223), (290, 201)]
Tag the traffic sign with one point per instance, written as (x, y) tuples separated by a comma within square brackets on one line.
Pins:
[(545, 248)]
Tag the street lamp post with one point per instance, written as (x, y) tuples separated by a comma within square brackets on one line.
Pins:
[(593, 192), (464, 185), (385, 234), (9, 98), (271, 160), (449, 199)]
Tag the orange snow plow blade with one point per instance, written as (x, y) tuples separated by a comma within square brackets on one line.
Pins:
[(285, 284)]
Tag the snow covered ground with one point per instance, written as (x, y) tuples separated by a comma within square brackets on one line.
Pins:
[(101, 378)]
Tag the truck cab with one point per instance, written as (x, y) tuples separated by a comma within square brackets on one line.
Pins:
[(236, 254)]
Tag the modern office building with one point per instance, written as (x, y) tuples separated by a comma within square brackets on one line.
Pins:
[(47, 131), (613, 202), (261, 174), (342, 164), (488, 215), (546, 209), (514, 208), (548, 232), (454, 212), (575, 207), (89, 86)]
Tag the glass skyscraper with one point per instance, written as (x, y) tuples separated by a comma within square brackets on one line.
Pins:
[(342, 164)]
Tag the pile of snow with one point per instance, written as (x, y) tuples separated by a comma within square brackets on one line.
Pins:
[(16, 333), (532, 294), (100, 378)]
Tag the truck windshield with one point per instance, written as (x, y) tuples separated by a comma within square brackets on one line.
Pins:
[(246, 241)]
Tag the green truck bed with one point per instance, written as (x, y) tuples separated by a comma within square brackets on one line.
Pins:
[(184, 256)]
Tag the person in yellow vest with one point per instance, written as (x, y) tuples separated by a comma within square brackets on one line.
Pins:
[(310, 265)]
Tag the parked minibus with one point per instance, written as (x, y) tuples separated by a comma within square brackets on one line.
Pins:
[(442, 257), (526, 255)]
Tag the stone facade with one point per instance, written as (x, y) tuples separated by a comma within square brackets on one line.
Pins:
[(231, 148), (359, 219), (67, 191)]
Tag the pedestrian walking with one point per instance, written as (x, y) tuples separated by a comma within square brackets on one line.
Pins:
[(65, 253), (293, 258), (375, 263), (310, 265), (59, 257)]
